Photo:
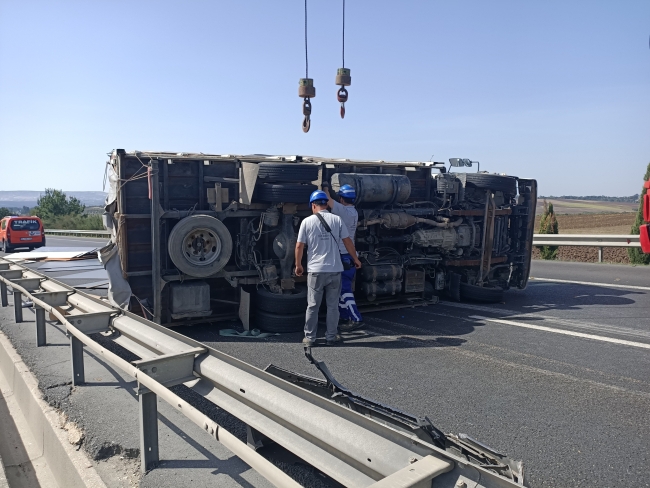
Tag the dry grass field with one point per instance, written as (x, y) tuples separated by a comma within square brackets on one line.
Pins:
[(572, 207), (591, 223)]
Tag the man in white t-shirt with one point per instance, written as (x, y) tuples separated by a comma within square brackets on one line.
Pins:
[(322, 233), (350, 316)]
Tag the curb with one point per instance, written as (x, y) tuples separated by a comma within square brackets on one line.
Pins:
[(70, 468)]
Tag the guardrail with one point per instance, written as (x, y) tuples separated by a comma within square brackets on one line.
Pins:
[(338, 440), (78, 233), (588, 240)]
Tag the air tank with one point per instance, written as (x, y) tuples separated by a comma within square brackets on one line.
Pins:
[(375, 188)]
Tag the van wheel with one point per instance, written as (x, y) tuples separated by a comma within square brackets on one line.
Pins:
[(6, 248)]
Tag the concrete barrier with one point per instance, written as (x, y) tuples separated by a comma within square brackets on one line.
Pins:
[(70, 468)]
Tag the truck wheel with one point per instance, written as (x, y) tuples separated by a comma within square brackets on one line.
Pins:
[(274, 322), (506, 184), (288, 193), (454, 286), (487, 294), (291, 303), (200, 245), (278, 172)]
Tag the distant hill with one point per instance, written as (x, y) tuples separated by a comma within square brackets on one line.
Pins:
[(19, 199), (599, 198)]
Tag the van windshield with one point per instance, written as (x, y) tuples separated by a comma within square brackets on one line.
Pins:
[(25, 224)]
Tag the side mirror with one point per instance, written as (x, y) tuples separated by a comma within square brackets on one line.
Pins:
[(460, 162)]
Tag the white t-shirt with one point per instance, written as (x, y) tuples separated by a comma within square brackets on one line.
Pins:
[(323, 255), (350, 217)]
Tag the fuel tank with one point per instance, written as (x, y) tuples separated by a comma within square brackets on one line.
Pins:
[(375, 188)]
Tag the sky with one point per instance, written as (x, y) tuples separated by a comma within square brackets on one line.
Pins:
[(553, 90)]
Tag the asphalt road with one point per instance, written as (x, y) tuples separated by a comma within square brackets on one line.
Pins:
[(557, 375)]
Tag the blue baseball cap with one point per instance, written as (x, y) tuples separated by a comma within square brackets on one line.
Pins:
[(318, 195), (347, 191)]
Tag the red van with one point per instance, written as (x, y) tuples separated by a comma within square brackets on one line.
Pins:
[(21, 232)]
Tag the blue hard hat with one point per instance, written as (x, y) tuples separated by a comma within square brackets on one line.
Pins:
[(348, 192), (318, 195)]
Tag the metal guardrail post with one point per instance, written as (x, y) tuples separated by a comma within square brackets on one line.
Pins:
[(600, 254), (41, 335), (77, 361), (149, 453), (3, 293), (18, 306)]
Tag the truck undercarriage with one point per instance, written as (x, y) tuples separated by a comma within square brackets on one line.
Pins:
[(211, 237)]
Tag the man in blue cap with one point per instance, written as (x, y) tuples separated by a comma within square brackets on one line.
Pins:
[(322, 233), (350, 316)]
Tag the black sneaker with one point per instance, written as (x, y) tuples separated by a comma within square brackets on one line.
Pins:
[(337, 340), (350, 325)]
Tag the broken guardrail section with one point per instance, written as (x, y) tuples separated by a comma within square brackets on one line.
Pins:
[(354, 440)]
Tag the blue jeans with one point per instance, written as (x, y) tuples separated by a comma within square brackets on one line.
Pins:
[(347, 305)]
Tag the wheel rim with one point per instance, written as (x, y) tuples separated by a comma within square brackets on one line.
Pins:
[(201, 246)]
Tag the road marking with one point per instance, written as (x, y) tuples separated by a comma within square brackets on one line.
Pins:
[(516, 366), (601, 328), (560, 331), (608, 285)]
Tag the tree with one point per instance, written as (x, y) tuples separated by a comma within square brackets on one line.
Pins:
[(636, 255), (548, 225), (4, 211), (55, 203)]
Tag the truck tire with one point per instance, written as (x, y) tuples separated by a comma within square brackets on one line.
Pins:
[(280, 172), (486, 294), (288, 193), (454, 286), (200, 245), (293, 303), (483, 181), (274, 322)]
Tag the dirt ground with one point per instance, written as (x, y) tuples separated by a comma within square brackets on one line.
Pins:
[(563, 206), (604, 223)]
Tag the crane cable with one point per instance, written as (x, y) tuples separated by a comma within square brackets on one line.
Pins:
[(306, 89), (343, 65)]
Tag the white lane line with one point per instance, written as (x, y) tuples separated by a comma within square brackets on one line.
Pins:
[(602, 328), (560, 331), (607, 285)]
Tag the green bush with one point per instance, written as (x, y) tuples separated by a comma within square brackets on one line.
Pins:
[(4, 211), (55, 203), (74, 222), (636, 254), (548, 225), (57, 211)]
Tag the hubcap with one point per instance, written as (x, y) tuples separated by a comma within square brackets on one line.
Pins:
[(201, 247)]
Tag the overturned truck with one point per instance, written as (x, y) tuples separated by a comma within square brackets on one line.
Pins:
[(211, 237)]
